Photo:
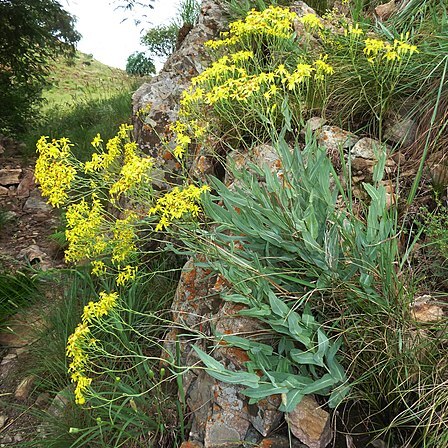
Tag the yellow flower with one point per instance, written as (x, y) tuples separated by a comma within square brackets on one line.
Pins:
[(98, 268), (125, 274), (373, 47), (97, 140), (176, 204), (95, 310), (311, 21), (54, 169), (353, 30), (124, 247), (84, 231), (322, 68), (299, 75), (134, 172)]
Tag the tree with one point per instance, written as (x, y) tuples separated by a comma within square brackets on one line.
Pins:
[(162, 40), (33, 32), (139, 64)]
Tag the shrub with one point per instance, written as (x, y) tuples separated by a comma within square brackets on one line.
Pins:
[(139, 64)]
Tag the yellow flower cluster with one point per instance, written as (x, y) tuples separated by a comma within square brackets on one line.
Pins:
[(126, 274), (177, 203), (95, 310), (54, 170), (322, 68), (376, 48), (102, 160), (134, 171), (76, 344), (81, 339), (353, 30), (311, 22), (273, 21), (184, 129), (84, 232), (124, 239)]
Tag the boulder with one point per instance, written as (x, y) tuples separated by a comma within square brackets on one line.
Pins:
[(310, 423)]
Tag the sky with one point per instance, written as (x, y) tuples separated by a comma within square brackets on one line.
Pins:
[(104, 33)]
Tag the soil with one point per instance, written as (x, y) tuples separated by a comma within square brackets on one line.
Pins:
[(25, 243)]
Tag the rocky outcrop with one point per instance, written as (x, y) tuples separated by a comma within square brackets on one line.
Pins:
[(156, 103)]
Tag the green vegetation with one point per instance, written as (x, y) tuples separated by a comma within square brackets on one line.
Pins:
[(33, 33), (140, 65), (161, 40), (85, 98)]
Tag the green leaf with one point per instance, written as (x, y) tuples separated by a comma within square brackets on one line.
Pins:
[(291, 400), (264, 390), (320, 385), (278, 307), (218, 371), (338, 395), (236, 298)]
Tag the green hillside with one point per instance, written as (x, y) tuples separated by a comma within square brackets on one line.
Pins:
[(71, 80), (85, 97)]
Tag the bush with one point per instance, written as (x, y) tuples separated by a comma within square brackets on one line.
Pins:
[(33, 32), (139, 64)]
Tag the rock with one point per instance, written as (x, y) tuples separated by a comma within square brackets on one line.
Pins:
[(35, 203), (161, 95), (280, 442), (401, 131), (367, 148), (42, 400), (227, 427), (310, 423), (8, 358), (3, 420), (33, 254), (192, 445), (60, 402), (10, 176), (385, 10), (26, 185), (24, 388), (264, 415), (313, 124), (424, 310), (334, 138), (18, 438)]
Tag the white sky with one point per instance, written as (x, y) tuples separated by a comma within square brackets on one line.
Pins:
[(104, 33)]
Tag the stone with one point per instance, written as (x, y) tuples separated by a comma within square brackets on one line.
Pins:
[(26, 184), (8, 358), (401, 131), (280, 442), (313, 124), (25, 387), (3, 420), (310, 423), (423, 310), (42, 400), (227, 426), (33, 254), (189, 444), (35, 203), (60, 402), (385, 10), (160, 97), (367, 148), (264, 415), (10, 176), (334, 138)]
